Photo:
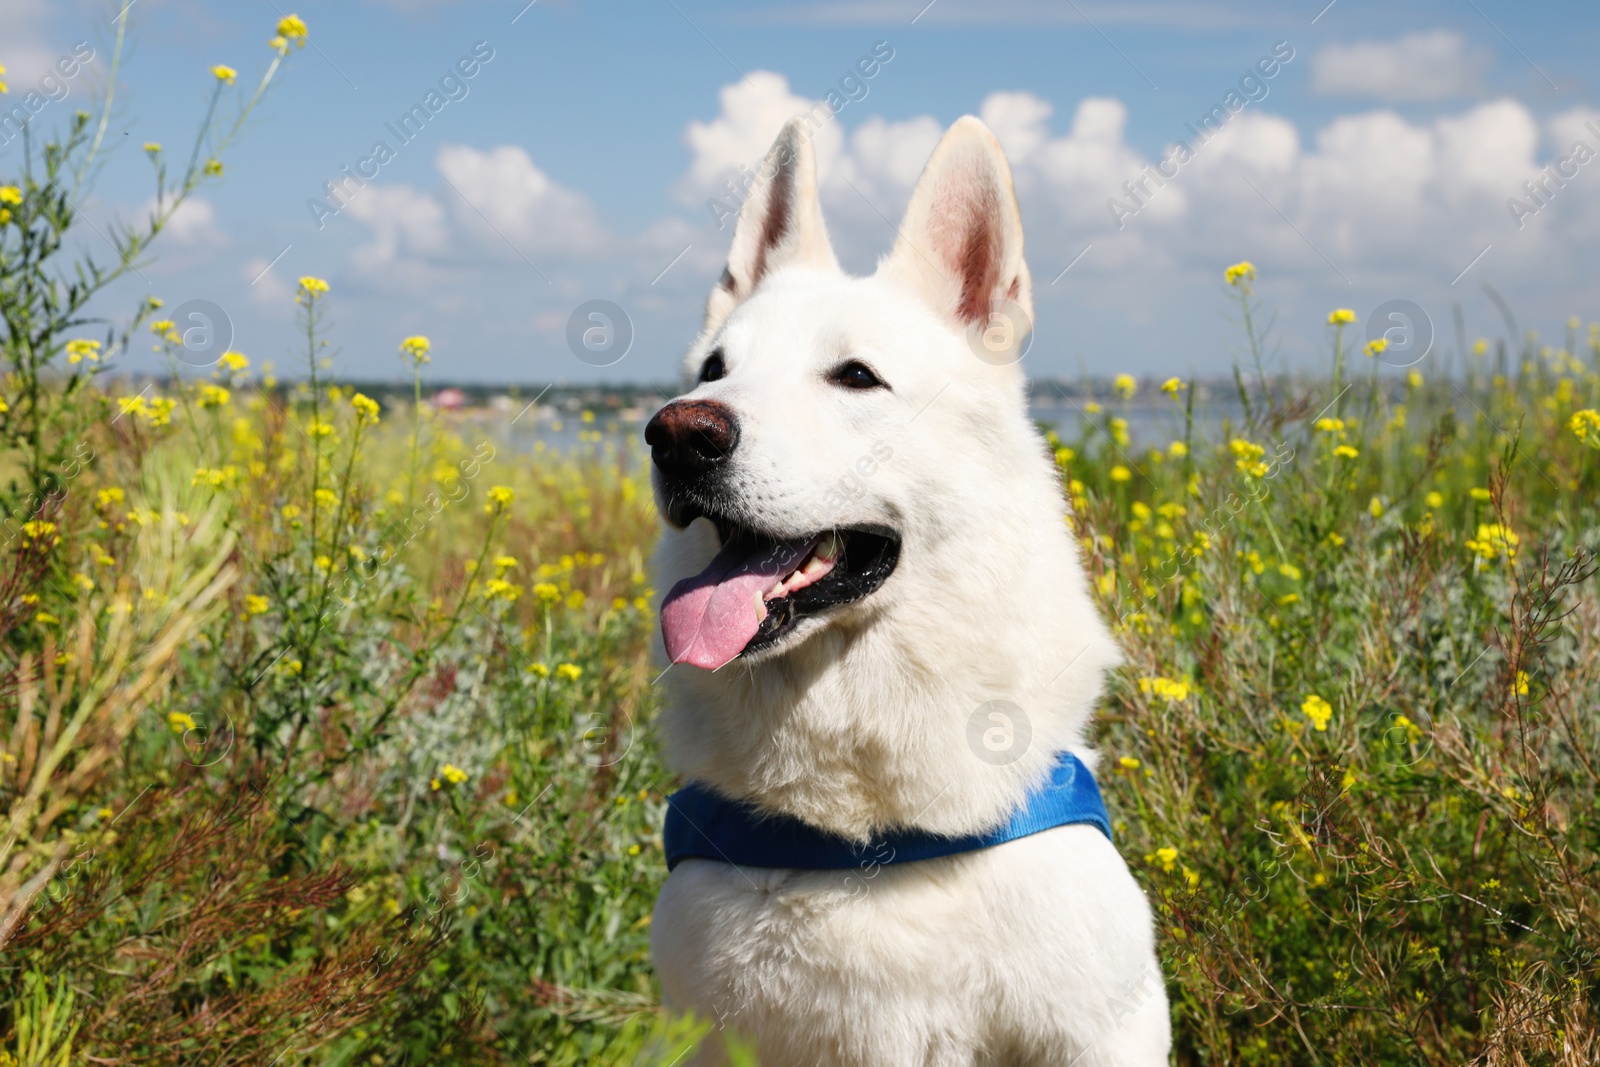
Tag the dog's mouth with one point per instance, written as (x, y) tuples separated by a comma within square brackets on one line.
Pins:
[(759, 587)]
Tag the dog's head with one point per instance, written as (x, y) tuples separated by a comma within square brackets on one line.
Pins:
[(845, 441)]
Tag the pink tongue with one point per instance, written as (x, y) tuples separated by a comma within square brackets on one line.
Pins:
[(708, 619)]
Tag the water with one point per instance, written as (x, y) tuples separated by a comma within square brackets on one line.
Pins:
[(1152, 423)]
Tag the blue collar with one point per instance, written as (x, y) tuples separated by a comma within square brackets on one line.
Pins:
[(703, 825)]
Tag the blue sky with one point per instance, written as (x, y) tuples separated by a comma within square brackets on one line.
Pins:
[(577, 166)]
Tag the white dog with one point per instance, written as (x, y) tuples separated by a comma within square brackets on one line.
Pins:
[(881, 636)]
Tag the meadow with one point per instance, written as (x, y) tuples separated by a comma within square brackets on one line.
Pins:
[(325, 724)]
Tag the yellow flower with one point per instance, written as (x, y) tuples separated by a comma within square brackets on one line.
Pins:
[(1346, 452), (109, 496), (1064, 456), (325, 497), (215, 478), (1119, 473), (570, 671), (213, 168), (1316, 709), (1119, 431), (1173, 386), (500, 589), (366, 409), (278, 44), (539, 669), (1247, 457), (1494, 541), (235, 361), (1585, 426), (1414, 379), (180, 722), (1289, 571), (1124, 385), (83, 349), (153, 147), (1334, 539), (1177, 450), (290, 511), (547, 592), (1341, 317), (505, 563), (1375, 508), (292, 28), (313, 287), (10, 195), (1242, 271), (1173, 692), (39, 529), (1413, 731), (1167, 858), (1478, 492), (224, 74), (500, 498), (416, 349), (1107, 583), (1331, 425), (213, 396), (256, 604), (1377, 345), (452, 774), (83, 582), (1130, 763), (1519, 684)]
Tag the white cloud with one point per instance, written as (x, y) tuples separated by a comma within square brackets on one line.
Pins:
[(194, 225), (404, 223), (509, 198), (26, 55), (496, 204), (1021, 122), (267, 288), (752, 112), (1430, 65), (1374, 192)]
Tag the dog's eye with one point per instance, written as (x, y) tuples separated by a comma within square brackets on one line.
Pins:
[(855, 375), (713, 368)]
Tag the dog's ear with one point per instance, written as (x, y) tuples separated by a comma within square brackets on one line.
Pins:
[(780, 223), (960, 243)]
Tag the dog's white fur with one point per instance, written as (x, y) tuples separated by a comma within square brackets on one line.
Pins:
[(1039, 951)]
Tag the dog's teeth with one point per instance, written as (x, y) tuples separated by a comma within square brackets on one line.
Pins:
[(761, 608), (776, 590), (816, 565), (826, 549)]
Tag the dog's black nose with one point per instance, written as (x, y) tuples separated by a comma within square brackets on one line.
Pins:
[(688, 438)]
